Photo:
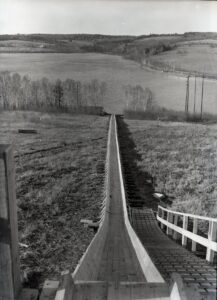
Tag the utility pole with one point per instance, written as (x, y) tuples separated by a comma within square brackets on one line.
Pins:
[(201, 104), (187, 96), (195, 91)]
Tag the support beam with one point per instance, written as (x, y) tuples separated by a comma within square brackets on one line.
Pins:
[(212, 238), (175, 223), (194, 244), (185, 227)]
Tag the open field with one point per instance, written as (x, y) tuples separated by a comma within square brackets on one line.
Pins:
[(168, 90), (195, 56), (182, 158), (59, 174)]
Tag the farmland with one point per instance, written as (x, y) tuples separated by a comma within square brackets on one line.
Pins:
[(182, 159), (59, 175), (168, 90), (197, 56)]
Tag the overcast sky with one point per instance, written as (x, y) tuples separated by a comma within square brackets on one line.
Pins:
[(106, 17)]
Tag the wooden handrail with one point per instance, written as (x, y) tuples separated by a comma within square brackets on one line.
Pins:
[(165, 217), (188, 215)]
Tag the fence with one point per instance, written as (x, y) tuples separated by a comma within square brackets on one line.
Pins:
[(172, 221)]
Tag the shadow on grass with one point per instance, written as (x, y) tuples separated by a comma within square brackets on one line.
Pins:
[(138, 183)]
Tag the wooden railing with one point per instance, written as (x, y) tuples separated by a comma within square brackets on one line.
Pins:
[(172, 220)]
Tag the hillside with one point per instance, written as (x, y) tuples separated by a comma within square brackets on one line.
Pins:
[(133, 47)]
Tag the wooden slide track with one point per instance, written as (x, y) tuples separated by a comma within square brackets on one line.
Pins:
[(116, 266)]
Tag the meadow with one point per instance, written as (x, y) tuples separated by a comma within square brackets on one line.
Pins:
[(182, 159), (168, 89), (59, 181), (193, 57)]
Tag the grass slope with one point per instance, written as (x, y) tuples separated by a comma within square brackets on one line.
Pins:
[(59, 175), (198, 57), (182, 158)]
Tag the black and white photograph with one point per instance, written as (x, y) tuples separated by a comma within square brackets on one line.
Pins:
[(108, 150)]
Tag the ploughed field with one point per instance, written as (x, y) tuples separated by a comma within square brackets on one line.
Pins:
[(59, 177), (182, 159), (168, 90)]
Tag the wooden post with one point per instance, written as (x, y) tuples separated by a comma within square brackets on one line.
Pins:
[(211, 237), (175, 223), (10, 284), (169, 219), (162, 216), (185, 226), (195, 94), (194, 244), (201, 104), (187, 97)]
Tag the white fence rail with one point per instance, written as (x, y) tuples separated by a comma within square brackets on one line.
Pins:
[(171, 218)]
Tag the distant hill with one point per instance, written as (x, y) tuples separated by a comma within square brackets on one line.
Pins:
[(131, 47)]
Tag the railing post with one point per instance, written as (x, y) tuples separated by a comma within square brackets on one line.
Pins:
[(162, 216), (194, 244), (169, 220), (10, 284), (211, 237), (175, 223), (185, 227)]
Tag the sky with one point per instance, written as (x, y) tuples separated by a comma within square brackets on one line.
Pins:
[(106, 17)]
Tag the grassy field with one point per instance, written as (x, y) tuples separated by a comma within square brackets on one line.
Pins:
[(168, 90), (59, 175), (197, 56), (182, 158)]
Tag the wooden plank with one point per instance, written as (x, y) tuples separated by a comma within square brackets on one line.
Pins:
[(10, 284), (27, 131), (175, 223), (188, 215), (211, 239), (49, 290), (194, 244), (197, 238)]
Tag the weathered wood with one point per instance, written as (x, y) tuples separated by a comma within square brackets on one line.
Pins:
[(210, 242), (175, 223), (49, 290), (10, 284), (163, 213), (27, 131), (211, 238), (169, 219), (194, 244)]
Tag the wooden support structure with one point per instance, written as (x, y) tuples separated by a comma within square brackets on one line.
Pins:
[(194, 244), (187, 97), (201, 104), (169, 219), (211, 238), (210, 243), (10, 284), (175, 223), (185, 226), (195, 94)]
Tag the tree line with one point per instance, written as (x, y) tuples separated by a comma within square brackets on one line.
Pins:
[(20, 92)]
